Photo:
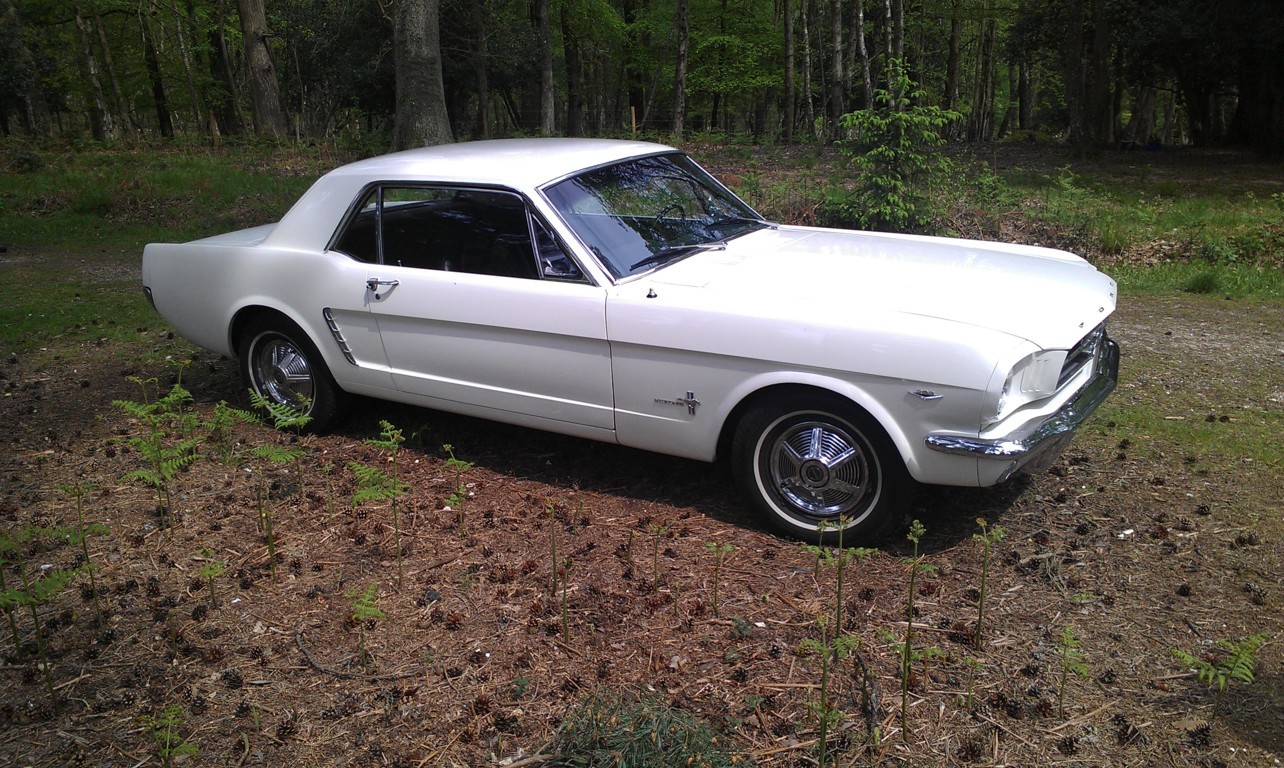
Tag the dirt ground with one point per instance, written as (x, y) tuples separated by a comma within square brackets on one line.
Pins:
[(1136, 545)]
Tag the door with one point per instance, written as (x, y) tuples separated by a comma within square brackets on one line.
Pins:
[(470, 314)]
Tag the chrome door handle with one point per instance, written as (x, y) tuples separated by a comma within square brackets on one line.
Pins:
[(374, 283)]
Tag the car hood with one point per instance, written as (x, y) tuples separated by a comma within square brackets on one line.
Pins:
[(1048, 297)]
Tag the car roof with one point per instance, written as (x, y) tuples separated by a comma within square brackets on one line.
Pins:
[(520, 163)]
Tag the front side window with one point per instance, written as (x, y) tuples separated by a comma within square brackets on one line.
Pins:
[(452, 229), (643, 213)]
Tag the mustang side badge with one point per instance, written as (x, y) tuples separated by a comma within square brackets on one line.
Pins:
[(689, 401)]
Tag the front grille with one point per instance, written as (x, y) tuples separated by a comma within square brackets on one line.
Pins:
[(1082, 354)]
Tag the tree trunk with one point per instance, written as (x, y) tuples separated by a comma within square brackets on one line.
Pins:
[(547, 91), (1072, 75), (1025, 90), (806, 83), (193, 96), (265, 95), (421, 96), (981, 121), (836, 102), (481, 67), (1100, 118), (858, 31), (122, 106), (100, 122), (680, 72), (164, 124), (791, 98), (227, 106), (952, 60), (898, 50)]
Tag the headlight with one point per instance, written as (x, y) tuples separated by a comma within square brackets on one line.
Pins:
[(1033, 378)]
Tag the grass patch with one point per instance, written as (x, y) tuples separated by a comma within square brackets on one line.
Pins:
[(129, 197), (37, 306), (1230, 280)]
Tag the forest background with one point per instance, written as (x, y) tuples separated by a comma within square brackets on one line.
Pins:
[(1091, 73)]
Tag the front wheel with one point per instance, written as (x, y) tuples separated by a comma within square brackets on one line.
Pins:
[(280, 363), (817, 467)]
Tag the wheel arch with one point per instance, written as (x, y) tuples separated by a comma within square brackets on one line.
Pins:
[(250, 312), (779, 391)]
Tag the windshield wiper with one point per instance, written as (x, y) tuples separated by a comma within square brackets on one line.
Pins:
[(672, 253), (724, 221)]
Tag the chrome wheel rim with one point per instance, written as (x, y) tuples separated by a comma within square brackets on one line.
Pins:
[(282, 373), (823, 471)]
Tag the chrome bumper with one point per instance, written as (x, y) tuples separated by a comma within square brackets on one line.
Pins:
[(1036, 445)]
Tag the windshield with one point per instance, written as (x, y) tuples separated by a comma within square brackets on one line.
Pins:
[(640, 214)]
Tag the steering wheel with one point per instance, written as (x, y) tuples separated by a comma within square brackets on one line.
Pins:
[(671, 208)]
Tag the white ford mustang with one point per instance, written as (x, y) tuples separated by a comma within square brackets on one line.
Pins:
[(615, 291)]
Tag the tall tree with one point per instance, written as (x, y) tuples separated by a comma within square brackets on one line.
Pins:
[(680, 70), (101, 126), (547, 88), (791, 99), (160, 101), (265, 93), (421, 96), (481, 66)]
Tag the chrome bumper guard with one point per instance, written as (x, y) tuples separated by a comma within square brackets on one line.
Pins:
[(1037, 445)]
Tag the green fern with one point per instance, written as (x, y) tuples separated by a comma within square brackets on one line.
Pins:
[(374, 484), (1071, 663), (1237, 663)]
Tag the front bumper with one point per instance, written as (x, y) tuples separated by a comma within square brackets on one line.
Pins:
[(1036, 445)]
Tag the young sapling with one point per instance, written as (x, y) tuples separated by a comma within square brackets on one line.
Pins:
[(210, 570), (551, 509), (457, 497), (987, 537), (908, 656), (82, 534), (720, 551)]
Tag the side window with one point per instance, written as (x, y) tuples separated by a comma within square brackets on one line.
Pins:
[(360, 238), (554, 264), (455, 230)]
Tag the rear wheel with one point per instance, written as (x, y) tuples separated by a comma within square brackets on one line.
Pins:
[(280, 363), (813, 464)]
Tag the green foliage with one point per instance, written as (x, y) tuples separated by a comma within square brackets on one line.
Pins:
[(35, 590), (80, 535), (987, 538), (907, 653), (168, 445), (611, 728), (720, 551), (373, 484), (164, 730), (210, 570), (892, 148), (282, 416), (1071, 663), (456, 499), (1235, 661), (364, 610)]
